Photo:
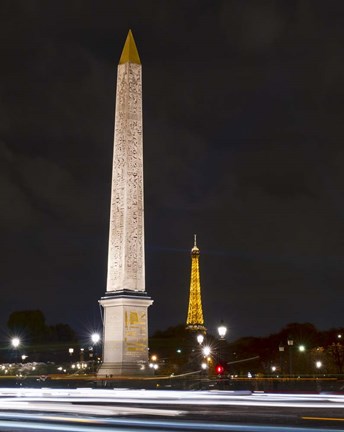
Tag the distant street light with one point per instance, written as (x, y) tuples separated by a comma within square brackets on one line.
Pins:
[(318, 364), (15, 342), (95, 337), (222, 330), (154, 362), (290, 343), (200, 338), (71, 351), (281, 351), (302, 348), (206, 351)]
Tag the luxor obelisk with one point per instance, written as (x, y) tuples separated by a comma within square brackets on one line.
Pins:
[(125, 304)]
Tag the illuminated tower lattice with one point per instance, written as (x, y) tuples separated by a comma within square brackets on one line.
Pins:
[(195, 321)]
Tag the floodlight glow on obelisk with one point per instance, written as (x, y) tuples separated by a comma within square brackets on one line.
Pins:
[(125, 304)]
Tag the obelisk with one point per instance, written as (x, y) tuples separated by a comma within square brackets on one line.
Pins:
[(125, 304)]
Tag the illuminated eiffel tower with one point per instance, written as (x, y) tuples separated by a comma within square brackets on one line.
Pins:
[(195, 321)]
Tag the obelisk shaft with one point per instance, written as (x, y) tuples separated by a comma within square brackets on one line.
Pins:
[(126, 266), (125, 304)]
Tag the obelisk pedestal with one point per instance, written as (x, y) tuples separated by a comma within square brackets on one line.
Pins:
[(125, 304), (126, 335)]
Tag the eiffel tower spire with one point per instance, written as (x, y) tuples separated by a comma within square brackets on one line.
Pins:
[(195, 321)]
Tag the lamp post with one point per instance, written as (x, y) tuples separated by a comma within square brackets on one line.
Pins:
[(304, 368), (222, 331), (290, 342), (200, 338), (206, 351), (15, 343), (154, 363), (318, 364), (71, 352), (281, 351), (95, 338)]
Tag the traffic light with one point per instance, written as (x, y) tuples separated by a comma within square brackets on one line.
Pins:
[(219, 369)]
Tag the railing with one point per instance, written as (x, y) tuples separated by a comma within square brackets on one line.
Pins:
[(189, 381)]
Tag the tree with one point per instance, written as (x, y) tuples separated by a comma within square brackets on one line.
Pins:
[(41, 342), (62, 333), (336, 353), (30, 324)]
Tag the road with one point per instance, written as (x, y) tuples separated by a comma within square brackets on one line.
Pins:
[(160, 410)]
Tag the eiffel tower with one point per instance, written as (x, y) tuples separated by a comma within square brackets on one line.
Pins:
[(195, 321)]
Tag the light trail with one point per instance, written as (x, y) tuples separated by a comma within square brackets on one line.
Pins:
[(323, 418), (169, 397), (49, 423), (93, 410)]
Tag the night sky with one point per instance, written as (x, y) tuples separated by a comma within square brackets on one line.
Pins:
[(243, 145)]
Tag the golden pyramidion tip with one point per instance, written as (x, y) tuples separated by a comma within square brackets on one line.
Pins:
[(130, 53)]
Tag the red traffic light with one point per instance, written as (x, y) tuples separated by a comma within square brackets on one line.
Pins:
[(219, 369)]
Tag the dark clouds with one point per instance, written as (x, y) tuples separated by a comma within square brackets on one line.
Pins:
[(243, 132)]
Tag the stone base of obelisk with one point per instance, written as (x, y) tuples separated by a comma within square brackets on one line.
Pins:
[(125, 334)]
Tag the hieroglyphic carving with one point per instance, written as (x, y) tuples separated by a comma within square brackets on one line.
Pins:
[(135, 333), (126, 238)]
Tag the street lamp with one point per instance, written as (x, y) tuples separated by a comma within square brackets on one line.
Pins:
[(290, 343), (71, 351), (302, 348), (204, 366), (222, 330), (318, 364), (15, 343), (95, 337), (281, 351), (154, 362), (206, 351), (200, 338)]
